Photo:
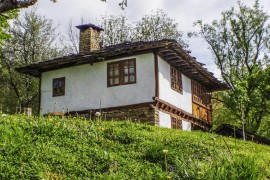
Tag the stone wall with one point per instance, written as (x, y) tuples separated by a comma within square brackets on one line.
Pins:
[(89, 40), (137, 113), (94, 40)]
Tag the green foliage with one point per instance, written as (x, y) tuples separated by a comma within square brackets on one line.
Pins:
[(240, 45), (154, 26), (4, 25), (116, 29), (75, 148), (32, 39)]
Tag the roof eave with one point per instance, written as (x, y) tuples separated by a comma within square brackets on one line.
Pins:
[(126, 49)]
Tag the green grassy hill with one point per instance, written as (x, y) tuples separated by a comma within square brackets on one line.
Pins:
[(55, 148)]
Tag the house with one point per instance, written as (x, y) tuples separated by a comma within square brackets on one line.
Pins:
[(236, 132), (154, 82)]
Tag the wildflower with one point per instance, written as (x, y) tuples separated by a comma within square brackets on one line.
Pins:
[(171, 169), (4, 115), (97, 114), (165, 151)]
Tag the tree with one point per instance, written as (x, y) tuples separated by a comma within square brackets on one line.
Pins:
[(117, 29), (240, 46), (7, 5), (32, 40), (4, 25), (70, 41), (155, 26)]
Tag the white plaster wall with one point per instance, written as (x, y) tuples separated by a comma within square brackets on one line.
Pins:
[(164, 120), (87, 84), (186, 126), (166, 93)]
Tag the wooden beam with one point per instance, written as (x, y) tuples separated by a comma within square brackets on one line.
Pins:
[(156, 75), (174, 111)]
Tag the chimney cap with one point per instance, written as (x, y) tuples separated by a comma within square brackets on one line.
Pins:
[(86, 26)]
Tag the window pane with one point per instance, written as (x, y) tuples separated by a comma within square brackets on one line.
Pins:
[(131, 70), (179, 124), (111, 73), (111, 66), (125, 71), (116, 80), (131, 64), (132, 78), (126, 79), (111, 81), (116, 72), (55, 83), (60, 90), (126, 64), (60, 83)]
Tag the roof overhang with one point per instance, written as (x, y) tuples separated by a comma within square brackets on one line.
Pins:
[(188, 65), (169, 50)]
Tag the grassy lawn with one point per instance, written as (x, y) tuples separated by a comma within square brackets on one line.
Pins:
[(55, 148)]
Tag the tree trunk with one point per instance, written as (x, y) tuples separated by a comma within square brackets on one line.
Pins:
[(27, 111), (243, 131)]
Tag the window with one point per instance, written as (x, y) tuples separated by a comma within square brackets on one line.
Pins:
[(122, 72), (176, 123), (176, 80), (59, 86), (200, 94)]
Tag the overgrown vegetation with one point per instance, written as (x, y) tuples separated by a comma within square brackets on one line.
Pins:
[(75, 148)]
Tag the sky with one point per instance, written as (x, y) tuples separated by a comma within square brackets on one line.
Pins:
[(185, 13)]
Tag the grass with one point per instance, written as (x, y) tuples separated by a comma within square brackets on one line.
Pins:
[(55, 148)]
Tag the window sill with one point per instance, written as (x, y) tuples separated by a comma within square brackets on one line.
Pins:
[(180, 92), (120, 84)]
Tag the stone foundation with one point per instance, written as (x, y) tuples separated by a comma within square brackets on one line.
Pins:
[(144, 113)]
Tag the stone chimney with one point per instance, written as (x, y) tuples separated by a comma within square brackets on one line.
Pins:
[(89, 38)]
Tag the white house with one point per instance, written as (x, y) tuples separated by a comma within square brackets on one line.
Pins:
[(155, 82)]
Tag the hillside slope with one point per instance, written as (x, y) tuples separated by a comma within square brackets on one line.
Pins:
[(55, 148)]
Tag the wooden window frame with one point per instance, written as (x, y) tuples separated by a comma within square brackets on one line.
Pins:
[(176, 80), (176, 123), (121, 73), (56, 86), (200, 94)]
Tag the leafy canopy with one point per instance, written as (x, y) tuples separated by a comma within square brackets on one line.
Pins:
[(32, 39), (240, 46), (117, 29)]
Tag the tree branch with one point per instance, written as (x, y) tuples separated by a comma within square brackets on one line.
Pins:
[(7, 5)]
